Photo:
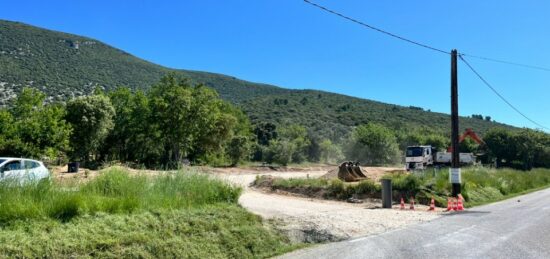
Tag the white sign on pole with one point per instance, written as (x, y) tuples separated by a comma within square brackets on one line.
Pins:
[(454, 175)]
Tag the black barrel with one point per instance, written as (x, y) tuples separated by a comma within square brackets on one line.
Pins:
[(73, 167), (386, 193)]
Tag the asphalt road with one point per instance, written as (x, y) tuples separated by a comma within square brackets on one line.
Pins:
[(515, 228)]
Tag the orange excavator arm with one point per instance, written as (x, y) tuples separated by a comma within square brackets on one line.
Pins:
[(469, 133)]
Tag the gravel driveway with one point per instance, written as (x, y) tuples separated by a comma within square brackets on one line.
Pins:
[(314, 220)]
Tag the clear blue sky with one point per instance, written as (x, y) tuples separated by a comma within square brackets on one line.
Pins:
[(291, 44)]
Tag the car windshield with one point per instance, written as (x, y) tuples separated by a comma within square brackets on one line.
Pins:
[(414, 151), (2, 161)]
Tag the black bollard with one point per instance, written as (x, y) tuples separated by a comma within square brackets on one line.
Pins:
[(386, 194)]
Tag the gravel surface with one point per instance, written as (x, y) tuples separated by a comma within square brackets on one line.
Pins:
[(314, 220)]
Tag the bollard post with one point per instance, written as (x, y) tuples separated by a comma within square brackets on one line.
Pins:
[(386, 194)]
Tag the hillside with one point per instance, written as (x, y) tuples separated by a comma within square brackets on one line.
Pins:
[(64, 65)]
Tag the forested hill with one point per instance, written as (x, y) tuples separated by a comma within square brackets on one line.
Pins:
[(64, 65)]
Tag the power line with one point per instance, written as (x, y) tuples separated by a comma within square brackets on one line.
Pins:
[(499, 95), (421, 44), (376, 29), (507, 62), (461, 55)]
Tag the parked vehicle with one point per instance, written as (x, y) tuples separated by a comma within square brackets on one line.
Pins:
[(22, 170), (421, 157)]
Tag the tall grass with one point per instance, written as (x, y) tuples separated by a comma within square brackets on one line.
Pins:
[(114, 191), (479, 184)]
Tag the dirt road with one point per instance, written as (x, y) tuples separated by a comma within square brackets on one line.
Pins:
[(313, 220)]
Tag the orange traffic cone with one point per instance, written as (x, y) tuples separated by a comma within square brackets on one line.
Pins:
[(460, 205), (402, 204), (432, 205), (449, 204), (455, 204), (412, 204)]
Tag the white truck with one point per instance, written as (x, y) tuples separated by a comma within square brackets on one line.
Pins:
[(420, 157)]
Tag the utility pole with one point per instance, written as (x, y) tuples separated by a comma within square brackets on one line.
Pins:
[(454, 171)]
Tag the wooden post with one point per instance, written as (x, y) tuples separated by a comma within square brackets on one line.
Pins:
[(454, 172)]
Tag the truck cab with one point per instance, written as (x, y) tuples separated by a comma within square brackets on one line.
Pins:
[(418, 157)]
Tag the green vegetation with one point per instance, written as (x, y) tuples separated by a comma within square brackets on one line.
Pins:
[(32, 129), (167, 122), (177, 214), (480, 185), (92, 119), (320, 187), (334, 116), (114, 191), (65, 65), (373, 144)]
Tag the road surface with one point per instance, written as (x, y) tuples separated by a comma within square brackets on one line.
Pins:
[(515, 228)]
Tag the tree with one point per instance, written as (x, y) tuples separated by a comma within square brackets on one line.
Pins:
[(373, 144), (498, 142), (330, 153), (296, 136), (281, 152), (34, 129), (265, 132), (92, 119), (238, 149)]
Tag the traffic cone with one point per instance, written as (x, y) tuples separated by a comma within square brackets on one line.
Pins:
[(432, 205), (460, 205), (412, 204), (402, 204), (449, 204), (455, 204)]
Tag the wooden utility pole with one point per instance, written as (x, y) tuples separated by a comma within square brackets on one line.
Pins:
[(454, 171)]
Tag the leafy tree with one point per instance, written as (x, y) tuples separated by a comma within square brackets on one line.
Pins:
[(296, 135), (238, 149), (33, 129), (92, 119), (330, 153), (281, 151), (499, 141), (373, 144), (265, 132)]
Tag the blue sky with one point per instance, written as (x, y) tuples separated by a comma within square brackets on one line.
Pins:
[(291, 44)]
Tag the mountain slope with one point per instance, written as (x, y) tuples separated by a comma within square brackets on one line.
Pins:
[(65, 65)]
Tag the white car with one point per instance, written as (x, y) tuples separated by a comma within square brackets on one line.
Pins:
[(22, 170)]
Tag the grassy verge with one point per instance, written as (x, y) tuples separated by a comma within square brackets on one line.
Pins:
[(480, 185), (116, 215), (321, 188)]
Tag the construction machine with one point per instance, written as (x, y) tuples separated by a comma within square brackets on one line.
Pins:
[(421, 157), (350, 172)]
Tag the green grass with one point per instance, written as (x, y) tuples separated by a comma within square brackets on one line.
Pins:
[(118, 215), (114, 191), (480, 185), (321, 188), (219, 231)]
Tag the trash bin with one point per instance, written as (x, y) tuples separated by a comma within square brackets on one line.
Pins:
[(386, 194), (73, 167)]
